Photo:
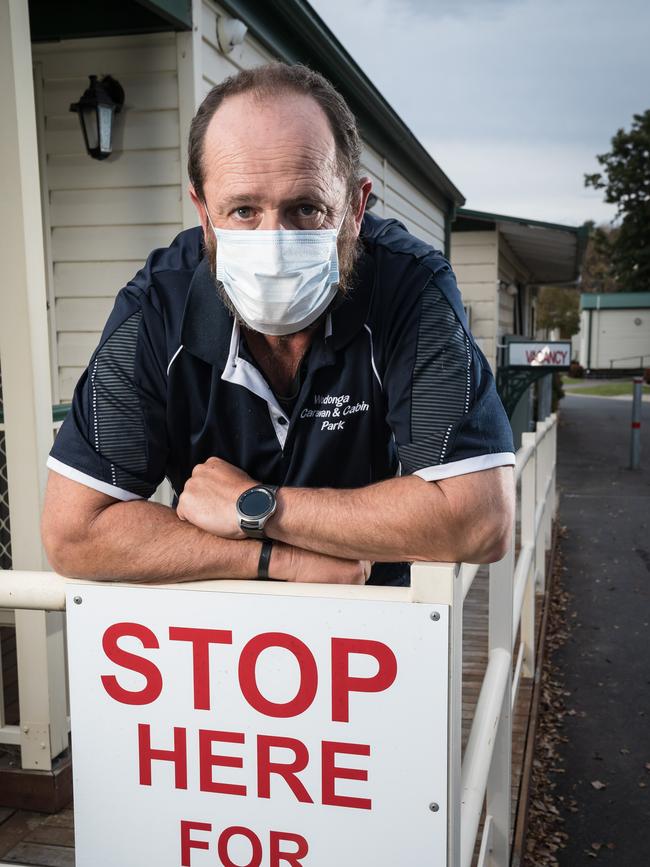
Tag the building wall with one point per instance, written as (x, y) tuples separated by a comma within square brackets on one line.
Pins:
[(622, 335), (102, 219), (511, 270), (474, 258)]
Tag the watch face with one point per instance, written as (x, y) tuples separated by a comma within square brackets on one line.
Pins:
[(255, 503)]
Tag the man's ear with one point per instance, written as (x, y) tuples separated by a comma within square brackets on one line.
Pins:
[(200, 207), (364, 190)]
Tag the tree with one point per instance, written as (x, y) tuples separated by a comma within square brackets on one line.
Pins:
[(596, 273), (558, 307), (626, 182)]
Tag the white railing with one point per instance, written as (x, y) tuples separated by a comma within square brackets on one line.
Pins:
[(483, 777)]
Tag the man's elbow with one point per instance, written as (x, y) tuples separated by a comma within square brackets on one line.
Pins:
[(496, 530), (66, 552), (497, 543)]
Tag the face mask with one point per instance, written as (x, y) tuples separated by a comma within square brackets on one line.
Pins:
[(278, 280)]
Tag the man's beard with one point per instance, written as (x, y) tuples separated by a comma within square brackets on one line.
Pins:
[(348, 247)]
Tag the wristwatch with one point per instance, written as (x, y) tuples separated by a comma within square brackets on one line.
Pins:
[(254, 507)]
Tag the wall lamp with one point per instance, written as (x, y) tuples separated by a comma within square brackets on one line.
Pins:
[(100, 102)]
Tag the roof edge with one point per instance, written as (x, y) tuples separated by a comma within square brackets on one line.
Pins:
[(504, 218)]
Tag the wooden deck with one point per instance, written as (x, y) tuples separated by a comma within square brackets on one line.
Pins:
[(28, 838)]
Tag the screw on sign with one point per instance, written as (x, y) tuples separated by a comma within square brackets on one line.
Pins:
[(284, 847)]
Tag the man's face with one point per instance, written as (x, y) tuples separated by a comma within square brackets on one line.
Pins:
[(271, 164)]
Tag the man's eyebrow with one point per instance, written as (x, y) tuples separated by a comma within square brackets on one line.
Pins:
[(250, 199)]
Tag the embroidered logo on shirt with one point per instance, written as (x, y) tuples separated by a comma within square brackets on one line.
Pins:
[(333, 406)]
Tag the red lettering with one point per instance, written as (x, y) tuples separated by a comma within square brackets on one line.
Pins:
[(265, 767), (207, 761), (278, 857), (343, 684), (154, 683), (201, 639), (178, 755), (530, 355), (187, 843), (308, 675), (332, 772), (236, 831)]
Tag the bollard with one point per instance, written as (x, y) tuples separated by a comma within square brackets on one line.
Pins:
[(635, 442)]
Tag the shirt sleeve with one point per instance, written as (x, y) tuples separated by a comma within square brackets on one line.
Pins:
[(442, 405), (114, 437)]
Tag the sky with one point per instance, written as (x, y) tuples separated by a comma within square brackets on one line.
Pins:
[(512, 98)]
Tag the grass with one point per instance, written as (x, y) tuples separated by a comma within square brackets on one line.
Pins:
[(606, 389)]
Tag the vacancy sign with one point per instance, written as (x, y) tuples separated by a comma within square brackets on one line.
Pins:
[(250, 730), (554, 353)]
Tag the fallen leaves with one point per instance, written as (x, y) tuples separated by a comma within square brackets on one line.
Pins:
[(596, 784), (546, 837)]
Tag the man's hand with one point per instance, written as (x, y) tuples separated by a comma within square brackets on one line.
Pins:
[(209, 497), (296, 564)]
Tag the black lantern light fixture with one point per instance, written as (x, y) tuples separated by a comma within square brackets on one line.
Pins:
[(96, 109)]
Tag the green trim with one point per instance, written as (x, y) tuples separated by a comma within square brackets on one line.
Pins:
[(614, 300), (177, 12), (513, 382), (484, 216), (293, 32), (79, 19), (59, 412)]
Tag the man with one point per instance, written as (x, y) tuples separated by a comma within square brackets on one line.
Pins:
[(292, 345)]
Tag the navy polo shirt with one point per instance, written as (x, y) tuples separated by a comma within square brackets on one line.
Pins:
[(394, 383)]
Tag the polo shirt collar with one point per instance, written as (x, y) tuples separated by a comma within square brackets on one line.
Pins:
[(207, 323), (207, 327)]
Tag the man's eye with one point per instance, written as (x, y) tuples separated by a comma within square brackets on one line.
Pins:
[(244, 213), (307, 210)]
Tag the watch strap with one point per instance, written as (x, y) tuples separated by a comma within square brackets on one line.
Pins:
[(251, 531), (265, 558)]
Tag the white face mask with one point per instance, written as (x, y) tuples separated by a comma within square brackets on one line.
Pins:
[(278, 280)]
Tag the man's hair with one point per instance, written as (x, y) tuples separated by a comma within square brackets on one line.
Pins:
[(272, 80)]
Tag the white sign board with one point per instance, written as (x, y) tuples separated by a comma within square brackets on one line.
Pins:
[(249, 730), (537, 354)]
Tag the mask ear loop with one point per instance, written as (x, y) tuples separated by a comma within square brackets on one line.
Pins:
[(345, 213), (207, 214)]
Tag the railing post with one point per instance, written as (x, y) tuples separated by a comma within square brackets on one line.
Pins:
[(540, 478), (441, 583), (528, 505), (635, 441), (498, 796)]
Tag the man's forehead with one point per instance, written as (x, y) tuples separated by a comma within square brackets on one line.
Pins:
[(287, 132)]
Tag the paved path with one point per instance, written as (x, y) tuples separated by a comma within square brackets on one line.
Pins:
[(606, 661)]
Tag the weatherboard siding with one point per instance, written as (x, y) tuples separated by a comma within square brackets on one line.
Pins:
[(474, 258), (104, 218)]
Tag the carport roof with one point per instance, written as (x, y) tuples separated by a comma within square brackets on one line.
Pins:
[(551, 252)]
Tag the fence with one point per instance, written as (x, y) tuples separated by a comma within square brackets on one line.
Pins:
[(482, 776), (641, 358)]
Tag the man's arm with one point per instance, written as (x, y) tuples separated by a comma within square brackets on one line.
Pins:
[(466, 518), (461, 519), (88, 534)]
